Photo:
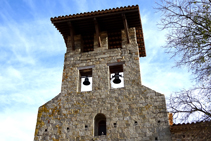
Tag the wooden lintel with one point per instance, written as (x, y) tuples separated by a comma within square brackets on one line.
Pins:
[(72, 35), (126, 28), (116, 63), (97, 33), (86, 67)]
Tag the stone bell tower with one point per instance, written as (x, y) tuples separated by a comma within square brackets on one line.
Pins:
[(104, 48)]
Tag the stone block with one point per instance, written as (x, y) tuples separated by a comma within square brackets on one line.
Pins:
[(74, 109)]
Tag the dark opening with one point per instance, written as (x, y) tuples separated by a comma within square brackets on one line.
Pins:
[(114, 39), (88, 43), (158, 121), (156, 138), (67, 128), (115, 125), (102, 128), (46, 130), (100, 125), (86, 127), (136, 123)]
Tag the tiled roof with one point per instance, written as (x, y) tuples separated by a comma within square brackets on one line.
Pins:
[(186, 126), (179, 124), (109, 20), (94, 13)]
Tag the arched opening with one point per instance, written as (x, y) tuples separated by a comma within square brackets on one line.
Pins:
[(100, 125)]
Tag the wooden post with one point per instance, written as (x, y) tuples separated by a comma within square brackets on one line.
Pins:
[(72, 35), (126, 27), (97, 32)]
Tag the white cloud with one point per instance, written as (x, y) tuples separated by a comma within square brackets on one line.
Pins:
[(32, 87), (17, 126), (31, 60), (14, 73), (157, 68)]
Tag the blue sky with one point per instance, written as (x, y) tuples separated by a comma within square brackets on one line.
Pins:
[(32, 55)]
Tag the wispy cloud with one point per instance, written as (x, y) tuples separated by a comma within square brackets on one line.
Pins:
[(32, 53), (16, 126), (82, 5), (157, 68), (31, 63)]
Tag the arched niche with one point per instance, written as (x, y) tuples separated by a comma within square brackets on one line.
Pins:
[(100, 125)]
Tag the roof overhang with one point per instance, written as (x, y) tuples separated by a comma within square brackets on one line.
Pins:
[(108, 20)]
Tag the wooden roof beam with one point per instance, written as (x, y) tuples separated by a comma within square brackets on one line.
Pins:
[(97, 32), (126, 27), (72, 35)]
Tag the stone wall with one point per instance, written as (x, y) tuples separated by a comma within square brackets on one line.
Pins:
[(139, 112), (199, 131)]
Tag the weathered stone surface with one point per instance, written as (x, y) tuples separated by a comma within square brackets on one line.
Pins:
[(134, 108)]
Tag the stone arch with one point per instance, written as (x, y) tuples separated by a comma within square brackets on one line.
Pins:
[(100, 125)]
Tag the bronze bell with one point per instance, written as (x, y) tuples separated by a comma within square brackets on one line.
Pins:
[(86, 81), (116, 78)]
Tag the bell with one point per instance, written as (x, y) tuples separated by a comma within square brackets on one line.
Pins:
[(86, 81), (116, 78)]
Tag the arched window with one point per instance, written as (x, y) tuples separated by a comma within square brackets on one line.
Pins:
[(100, 125)]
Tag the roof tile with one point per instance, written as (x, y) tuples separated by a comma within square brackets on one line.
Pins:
[(94, 12)]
